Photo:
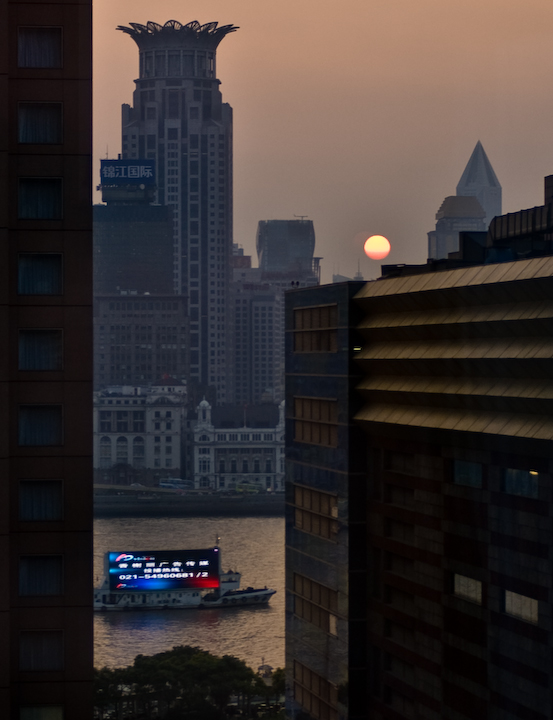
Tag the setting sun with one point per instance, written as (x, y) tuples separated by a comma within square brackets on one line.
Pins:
[(377, 247)]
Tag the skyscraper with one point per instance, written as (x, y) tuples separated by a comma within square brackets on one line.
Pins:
[(477, 202), (285, 252), (480, 181), (419, 465), (179, 121), (46, 362)]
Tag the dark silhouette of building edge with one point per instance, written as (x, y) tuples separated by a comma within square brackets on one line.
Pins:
[(419, 507), (46, 645)]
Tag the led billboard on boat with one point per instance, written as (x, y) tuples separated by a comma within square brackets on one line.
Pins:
[(163, 570)]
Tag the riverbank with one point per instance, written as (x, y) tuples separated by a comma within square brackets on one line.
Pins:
[(106, 506)]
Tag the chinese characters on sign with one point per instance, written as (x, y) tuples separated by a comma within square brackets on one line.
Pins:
[(164, 570), (127, 172)]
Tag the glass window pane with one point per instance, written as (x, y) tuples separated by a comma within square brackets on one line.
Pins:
[(40, 123), (40, 349), (521, 606), (39, 274), (40, 199), (40, 500), (41, 650), (467, 473), (39, 47), (521, 482), (40, 575), (40, 425), (467, 588)]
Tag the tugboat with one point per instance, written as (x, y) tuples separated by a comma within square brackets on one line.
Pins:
[(164, 579)]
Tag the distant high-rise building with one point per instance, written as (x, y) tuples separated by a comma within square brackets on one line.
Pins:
[(285, 252), (133, 238), (456, 214), (480, 181), (258, 338), (138, 339), (179, 121), (477, 202)]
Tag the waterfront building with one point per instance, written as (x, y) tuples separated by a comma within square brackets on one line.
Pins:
[(179, 122), (239, 448), (449, 513), (138, 433), (46, 648), (480, 181), (139, 339)]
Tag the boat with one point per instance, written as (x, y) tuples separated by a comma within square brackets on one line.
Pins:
[(172, 579)]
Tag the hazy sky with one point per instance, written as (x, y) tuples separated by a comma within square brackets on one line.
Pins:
[(361, 114)]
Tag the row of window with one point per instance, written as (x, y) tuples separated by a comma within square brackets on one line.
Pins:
[(243, 437), (316, 421), (464, 472), (513, 481), (519, 606), (315, 329), (316, 512), (315, 603), (314, 693)]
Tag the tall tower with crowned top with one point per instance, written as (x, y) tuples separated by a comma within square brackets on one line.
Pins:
[(179, 121)]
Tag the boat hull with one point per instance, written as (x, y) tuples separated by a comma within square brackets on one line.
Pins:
[(232, 599)]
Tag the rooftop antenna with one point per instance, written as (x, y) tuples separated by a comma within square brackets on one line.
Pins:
[(107, 156), (301, 217)]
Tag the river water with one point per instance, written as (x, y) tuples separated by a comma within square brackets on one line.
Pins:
[(253, 546)]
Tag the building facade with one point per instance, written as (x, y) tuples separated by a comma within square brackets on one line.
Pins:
[(453, 495), (239, 448), (179, 122), (46, 651), (139, 339), (325, 508), (138, 433), (257, 337), (133, 249)]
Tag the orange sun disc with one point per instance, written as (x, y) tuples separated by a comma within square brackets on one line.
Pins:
[(377, 247)]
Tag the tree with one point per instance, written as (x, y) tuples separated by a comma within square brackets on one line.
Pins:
[(185, 682)]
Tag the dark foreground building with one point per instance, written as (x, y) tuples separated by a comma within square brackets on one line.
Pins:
[(452, 509), (46, 362)]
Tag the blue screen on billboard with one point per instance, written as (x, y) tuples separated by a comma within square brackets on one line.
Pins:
[(163, 570), (127, 172)]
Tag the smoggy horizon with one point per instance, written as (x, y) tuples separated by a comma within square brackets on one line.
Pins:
[(364, 120)]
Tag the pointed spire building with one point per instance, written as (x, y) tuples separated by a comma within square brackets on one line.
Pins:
[(480, 181)]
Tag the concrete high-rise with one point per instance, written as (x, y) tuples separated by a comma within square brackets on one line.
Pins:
[(179, 121), (46, 651)]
